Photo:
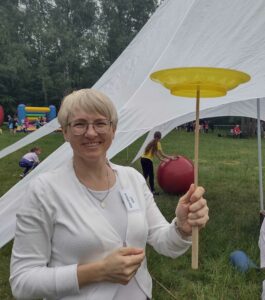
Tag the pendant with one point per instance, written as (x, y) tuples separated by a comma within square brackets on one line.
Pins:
[(102, 204)]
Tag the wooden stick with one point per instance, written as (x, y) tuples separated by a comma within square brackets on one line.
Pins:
[(195, 229)]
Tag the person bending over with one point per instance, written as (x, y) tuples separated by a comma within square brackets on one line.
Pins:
[(30, 160), (154, 148)]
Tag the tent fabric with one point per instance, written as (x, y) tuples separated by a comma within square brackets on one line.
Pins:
[(241, 109), (30, 138), (226, 34)]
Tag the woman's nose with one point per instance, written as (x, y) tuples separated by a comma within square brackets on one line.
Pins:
[(90, 130)]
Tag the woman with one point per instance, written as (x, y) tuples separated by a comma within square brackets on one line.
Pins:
[(82, 231), (154, 148)]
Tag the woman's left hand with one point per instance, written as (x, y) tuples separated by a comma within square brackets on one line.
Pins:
[(192, 210)]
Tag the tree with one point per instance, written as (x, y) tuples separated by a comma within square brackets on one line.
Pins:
[(53, 46), (13, 65), (121, 21)]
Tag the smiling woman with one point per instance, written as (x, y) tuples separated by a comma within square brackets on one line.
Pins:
[(83, 229)]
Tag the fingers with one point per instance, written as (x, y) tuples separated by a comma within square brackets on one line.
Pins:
[(130, 268), (198, 205), (132, 256), (122, 264), (198, 213), (187, 197), (197, 194), (192, 209), (130, 251), (129, 273), (199, 217), (198, 210)]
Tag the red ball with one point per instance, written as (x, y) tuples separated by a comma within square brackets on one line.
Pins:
[(175, 176)]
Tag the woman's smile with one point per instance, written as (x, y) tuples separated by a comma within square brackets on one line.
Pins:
[(91, 144)]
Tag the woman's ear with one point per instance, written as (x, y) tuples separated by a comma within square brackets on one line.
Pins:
[(65, 135), (113, 132)]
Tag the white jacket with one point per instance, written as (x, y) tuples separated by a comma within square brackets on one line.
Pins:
[(58, 228)]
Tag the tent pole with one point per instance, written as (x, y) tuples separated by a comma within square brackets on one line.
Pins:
[(260, 162), (195, 229)]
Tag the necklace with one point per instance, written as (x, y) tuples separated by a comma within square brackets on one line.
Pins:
[(102, 200)]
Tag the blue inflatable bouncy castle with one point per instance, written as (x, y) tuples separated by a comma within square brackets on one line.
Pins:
[(30, 117)]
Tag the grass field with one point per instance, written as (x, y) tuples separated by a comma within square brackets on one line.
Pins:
[(228, 169)]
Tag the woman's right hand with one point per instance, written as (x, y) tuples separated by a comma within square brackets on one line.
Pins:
[(118, 267), (121, 265)]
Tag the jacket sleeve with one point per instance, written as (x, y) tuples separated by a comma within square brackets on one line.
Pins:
[(162, 235), (31, 277)]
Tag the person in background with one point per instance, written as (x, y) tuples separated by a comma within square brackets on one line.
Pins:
[(15, 124), (236, 131), (26, 122), (82, 228), (154, 148), (42, 121), (37, 123), (23, 125), (10, 123), (30, 160), (206, 126)]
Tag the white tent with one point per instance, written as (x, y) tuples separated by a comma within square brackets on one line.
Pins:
[(181, 33)]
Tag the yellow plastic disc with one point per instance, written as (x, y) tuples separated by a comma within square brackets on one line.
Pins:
[(211, 82)]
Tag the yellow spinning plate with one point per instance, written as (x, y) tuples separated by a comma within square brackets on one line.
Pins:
[(196, 82), (212, 82)]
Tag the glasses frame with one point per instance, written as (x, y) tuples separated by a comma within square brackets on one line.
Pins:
[(93, 126)]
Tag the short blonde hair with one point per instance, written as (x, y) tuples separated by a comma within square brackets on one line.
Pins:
[(90, 101)]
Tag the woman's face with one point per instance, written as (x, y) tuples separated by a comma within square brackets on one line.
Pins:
[(91, 145)]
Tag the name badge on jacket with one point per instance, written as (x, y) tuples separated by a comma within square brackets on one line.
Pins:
[(129, 200)]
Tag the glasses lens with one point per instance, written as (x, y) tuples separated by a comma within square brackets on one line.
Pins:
[(101, 126), (79, 128)]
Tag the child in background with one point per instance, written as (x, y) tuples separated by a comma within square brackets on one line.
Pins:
[(236, 131), (154, 148), (37, 123), (10, 123), (30, 160)]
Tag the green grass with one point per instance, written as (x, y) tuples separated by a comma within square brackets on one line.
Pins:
[(228, 169)]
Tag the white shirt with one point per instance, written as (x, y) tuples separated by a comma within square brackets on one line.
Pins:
[(113, 203), (31, 156)]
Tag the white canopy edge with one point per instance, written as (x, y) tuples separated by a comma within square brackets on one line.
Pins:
[(240, 109)]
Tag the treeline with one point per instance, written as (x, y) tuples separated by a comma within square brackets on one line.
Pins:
[(50, 47)]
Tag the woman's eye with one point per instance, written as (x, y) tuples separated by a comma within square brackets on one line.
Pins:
[(79, 124), (100, 124)]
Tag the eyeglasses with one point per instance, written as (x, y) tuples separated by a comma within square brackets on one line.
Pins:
[(81, 127)]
